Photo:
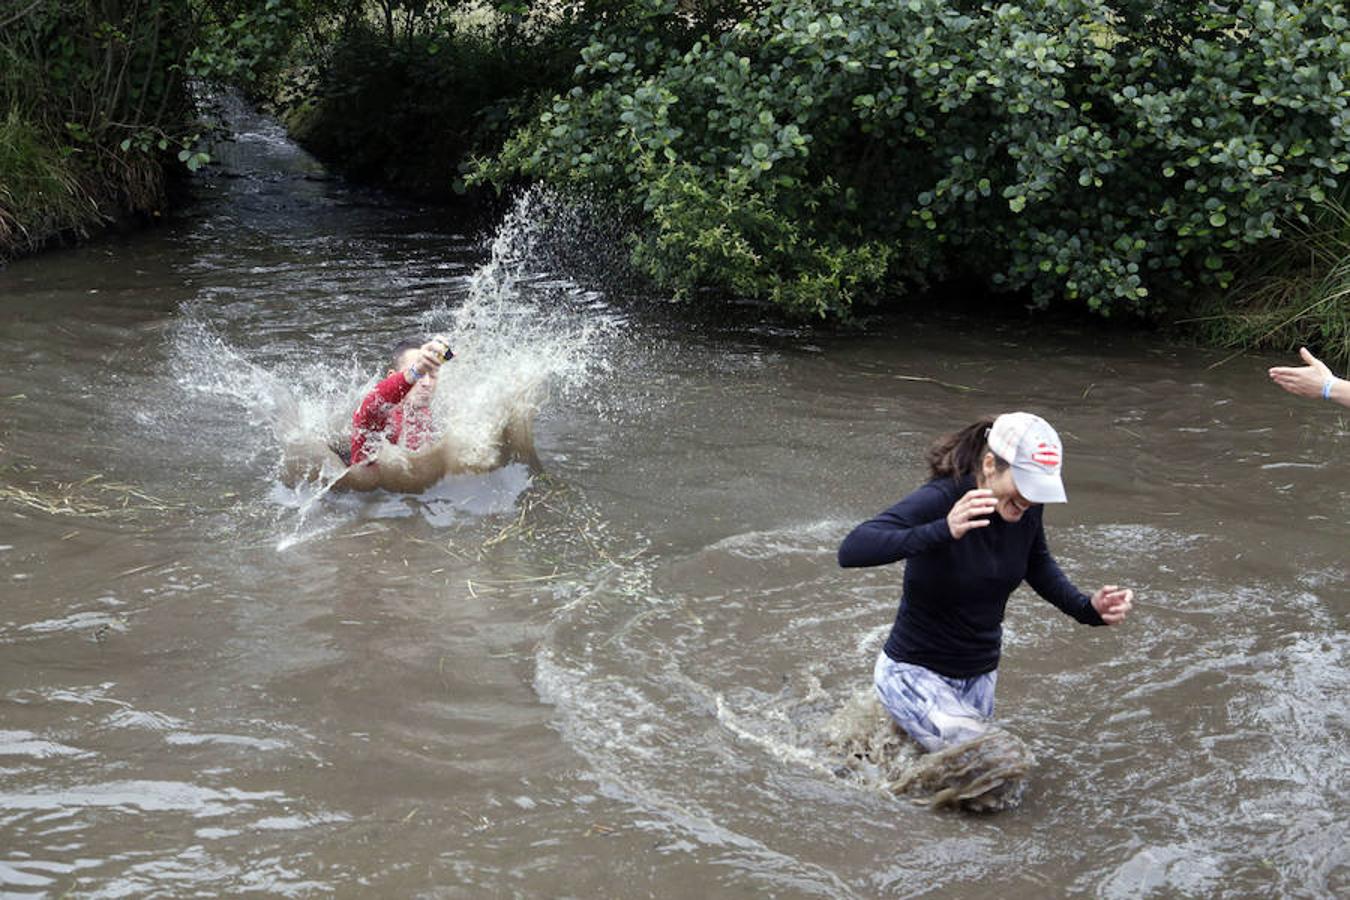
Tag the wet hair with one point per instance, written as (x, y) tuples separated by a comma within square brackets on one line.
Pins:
[(403, 347), (341, 444), (958, 454)]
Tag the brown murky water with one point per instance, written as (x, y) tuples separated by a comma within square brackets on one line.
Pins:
[(615, 680)]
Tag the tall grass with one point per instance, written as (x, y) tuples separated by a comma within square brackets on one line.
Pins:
[(94, 104), (41, 195), (1293, 291)]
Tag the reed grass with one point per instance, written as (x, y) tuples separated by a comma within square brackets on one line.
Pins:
[(41, 194), (92, 498), (1293, 292)]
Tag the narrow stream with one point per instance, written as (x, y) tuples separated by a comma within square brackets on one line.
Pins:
[(615, 678)]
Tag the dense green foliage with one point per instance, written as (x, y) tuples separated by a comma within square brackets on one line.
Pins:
[(97, 101), (822, 151), (407, 92), (1117, 155), (403, 97), (39, 193)]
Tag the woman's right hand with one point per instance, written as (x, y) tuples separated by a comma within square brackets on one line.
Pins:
[(971, 511)]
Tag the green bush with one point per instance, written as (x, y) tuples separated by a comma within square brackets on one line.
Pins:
[(1108, 153), (406, 113)]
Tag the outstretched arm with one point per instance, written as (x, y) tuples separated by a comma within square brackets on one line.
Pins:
[(1311, 380), (372, 415), (1108, 606)]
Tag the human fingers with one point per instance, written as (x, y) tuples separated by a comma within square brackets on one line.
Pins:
[(1101, 599), (966, 513), (1313, 361), (978, 502), (976, 513), (427, 362), (439, 346), (1303, 382), (1115, 596), (959, 528), (1118, 607), (1299, 375)]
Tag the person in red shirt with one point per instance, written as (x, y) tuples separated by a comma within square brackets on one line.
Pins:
[(398, 409)]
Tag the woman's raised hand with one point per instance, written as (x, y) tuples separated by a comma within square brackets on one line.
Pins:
[(971, 511)]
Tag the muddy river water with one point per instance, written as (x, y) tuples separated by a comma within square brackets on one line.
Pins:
[(612, 679)]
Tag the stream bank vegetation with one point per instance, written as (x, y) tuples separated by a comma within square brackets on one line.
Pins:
[(1131, 158), (1290, 292), (99, 108), (1175, 161)]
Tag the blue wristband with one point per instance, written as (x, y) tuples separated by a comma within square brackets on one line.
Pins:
[(1326, 388), (413, 374)]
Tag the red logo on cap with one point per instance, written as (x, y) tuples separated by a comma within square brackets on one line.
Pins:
[(1047, 455)]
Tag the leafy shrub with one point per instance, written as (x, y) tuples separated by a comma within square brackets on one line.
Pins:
[(404, 113), (1101, 152)]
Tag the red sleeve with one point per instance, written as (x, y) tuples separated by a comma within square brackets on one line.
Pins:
[(372, 415)]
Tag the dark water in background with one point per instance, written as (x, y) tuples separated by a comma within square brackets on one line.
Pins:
[(613, 681)]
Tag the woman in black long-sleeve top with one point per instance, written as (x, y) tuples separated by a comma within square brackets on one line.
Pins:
[(971, 535)]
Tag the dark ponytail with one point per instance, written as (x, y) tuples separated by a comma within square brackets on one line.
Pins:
[(958, 454)]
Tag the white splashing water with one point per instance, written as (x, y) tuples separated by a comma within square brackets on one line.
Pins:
[(518, 335)]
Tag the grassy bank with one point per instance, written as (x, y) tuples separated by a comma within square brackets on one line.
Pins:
[(96, 112), (41, 194), (50, 193), (1291, 292)]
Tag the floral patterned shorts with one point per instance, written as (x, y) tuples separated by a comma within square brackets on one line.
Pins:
[(937, 711)]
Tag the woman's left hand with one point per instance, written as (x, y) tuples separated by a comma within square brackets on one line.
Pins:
[(1113, 603)]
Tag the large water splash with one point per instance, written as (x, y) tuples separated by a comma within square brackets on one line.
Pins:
[(518, 335)]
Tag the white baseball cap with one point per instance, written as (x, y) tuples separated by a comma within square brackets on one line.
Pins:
[(1033, 449)]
